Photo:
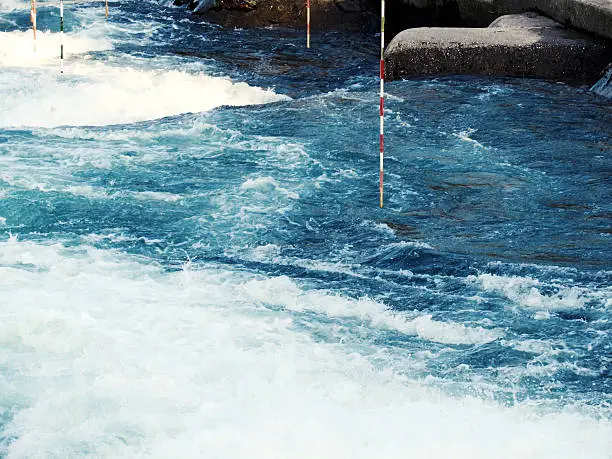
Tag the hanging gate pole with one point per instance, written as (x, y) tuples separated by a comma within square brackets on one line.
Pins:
[(307, 23), (382, 99), (61, 36), (106, 9)]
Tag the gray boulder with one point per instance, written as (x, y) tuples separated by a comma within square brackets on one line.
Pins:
[(516, 45), (593, 16)]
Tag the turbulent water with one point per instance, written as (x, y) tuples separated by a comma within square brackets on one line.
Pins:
[(193, 262)]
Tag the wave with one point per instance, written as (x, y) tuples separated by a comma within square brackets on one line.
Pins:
[(112, 356), (98, 94), (375, 313), (17, 48), (93, 93), (532, 293)]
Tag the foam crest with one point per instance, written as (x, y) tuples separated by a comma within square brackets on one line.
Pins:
[(525, 291), (137, 133), (46, 182), (453, 333), (156, 196), (265, 185), (98, 94), (465, 136), (111, 356), (17, 48), (271, 253), (11, 5), (288, 156), (285, 292)]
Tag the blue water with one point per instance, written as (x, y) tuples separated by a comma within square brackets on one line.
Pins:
[(182, 277)]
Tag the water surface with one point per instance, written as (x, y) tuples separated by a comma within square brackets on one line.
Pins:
[(192, 260)]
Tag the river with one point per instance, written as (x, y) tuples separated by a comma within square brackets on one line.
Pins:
[(193, 262)]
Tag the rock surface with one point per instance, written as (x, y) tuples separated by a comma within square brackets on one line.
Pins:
[(516, 45), (353, 15), (593, 16)]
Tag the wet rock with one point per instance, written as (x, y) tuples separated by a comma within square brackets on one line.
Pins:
[(515, 45), (353, 15)]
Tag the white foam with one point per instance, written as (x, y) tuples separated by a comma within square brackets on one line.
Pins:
[(537, 346), (256, 203), (542, 315), (192, 128), (112, 237), (269, 291), (265, 185), (380, 227), (141, 32), (265, 252), (47, 179), (113, 357), (11, 5), (17, 48), (453, 333), (465, 136), (156, 196), (550, 358), (413, 244), (272, 254), (284, 155), (105, 95), (525, 291)]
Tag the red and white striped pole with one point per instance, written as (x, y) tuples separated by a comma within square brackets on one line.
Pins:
[(307, 23), (382, 98)]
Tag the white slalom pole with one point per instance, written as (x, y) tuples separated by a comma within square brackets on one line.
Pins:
[(382, 99), (33, 19), (61, 36), (307, 23)]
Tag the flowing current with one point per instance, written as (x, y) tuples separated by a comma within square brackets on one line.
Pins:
[(193, 263)]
